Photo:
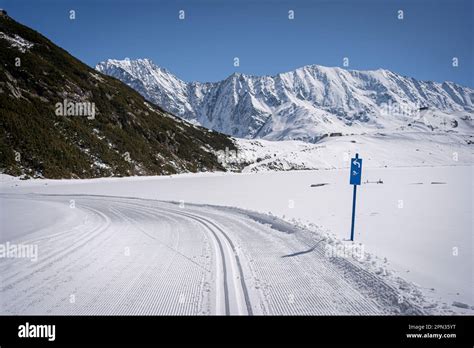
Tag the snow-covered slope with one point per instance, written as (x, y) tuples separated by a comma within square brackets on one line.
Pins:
[(148, 257), (413, 223), (401, 149), (303, 104)]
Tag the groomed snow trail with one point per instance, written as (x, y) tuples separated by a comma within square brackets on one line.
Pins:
[(120, 255)]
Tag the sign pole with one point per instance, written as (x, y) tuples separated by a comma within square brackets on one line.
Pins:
[(353, 211)]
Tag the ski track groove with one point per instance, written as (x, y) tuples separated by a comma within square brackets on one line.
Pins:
[(58, 255), (187, 274), (196, 260), (221, 256), (62, 267)]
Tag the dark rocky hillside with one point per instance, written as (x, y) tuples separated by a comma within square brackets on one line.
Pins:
[(121, 135)]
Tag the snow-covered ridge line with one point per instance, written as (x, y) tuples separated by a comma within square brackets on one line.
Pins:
[(304, 104)]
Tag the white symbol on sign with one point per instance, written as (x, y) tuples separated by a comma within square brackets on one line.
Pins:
[(354, 172), (356, 163)]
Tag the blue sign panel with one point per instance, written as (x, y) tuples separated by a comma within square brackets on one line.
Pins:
[(356, 170)]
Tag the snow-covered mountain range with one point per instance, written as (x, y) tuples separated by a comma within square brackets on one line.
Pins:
[(305, 104)]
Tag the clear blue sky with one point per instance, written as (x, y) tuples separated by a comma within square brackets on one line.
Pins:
[(202, 47)]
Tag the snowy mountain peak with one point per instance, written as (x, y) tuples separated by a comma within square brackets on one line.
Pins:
[(306, 103)]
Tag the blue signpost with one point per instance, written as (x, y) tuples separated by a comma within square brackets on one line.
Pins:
[(355, 176)]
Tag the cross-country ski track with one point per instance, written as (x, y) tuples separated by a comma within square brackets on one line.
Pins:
[(122, 255)]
